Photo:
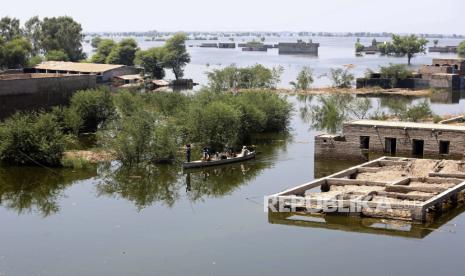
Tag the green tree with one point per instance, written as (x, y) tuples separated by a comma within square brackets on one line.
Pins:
[(123, 53), (304, 79), (94, 106), (358, 46), (95, 42), (461, 49), (409, 45), (216, 125), (342, 77), (152, 61), (177, 56), (32, 30), (104, 49), (15, 54), (9, 28), (56, 55), (62, 33)]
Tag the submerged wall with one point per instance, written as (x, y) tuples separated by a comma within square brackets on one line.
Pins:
[(39, 91)]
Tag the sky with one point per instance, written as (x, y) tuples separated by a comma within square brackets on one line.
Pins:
[(399, 16)]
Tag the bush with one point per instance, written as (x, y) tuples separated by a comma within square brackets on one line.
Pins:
[(341, 77), (232, 77), (34, 138), (216, 125), (304, 79), (94, 106), (461, 49), (140, 138)]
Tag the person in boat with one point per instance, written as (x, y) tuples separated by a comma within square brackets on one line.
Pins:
[(205, 154), (244, 151), (188, 152)]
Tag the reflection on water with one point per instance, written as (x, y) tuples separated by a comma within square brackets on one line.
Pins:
[(367, 225), (34, 188), (28, 189)]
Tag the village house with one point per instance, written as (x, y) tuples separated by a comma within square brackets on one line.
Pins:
[(393, 137), (104, 72)]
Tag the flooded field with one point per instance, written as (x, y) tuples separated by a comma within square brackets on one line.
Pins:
[(163, 221)]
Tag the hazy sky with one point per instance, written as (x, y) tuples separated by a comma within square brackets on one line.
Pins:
[(402, 16)]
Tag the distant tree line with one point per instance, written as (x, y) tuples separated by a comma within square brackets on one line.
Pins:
[(54, 38)]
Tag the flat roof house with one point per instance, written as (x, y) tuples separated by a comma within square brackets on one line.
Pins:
[(392, 137), (104, 72)]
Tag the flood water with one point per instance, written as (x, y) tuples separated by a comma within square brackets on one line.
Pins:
[(333, 52), (162, 221)]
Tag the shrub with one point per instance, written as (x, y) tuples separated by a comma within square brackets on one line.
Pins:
[(461, 49), (94, 106), (34, 138), (140, 138), (304, 79), (341, 77), (232, 77)]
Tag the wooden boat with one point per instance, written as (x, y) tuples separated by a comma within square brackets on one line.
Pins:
[(201, 163)]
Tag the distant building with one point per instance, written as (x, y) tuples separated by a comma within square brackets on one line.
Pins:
[(443, 49), (209, 45), (299, 47), (104, 72), (227, 45)]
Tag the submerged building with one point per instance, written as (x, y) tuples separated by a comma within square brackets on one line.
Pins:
[(299, 47), (443, 49), (104, 72), (392, 137), (442, 73)]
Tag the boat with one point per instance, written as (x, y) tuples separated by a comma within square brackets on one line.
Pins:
[(202, 163)]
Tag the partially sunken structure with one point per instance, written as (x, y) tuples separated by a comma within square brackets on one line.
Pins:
[(299, 47), (442, 73), (388, 188), (392, 137)]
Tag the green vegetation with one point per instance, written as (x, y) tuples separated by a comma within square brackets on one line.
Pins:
[(123, 53), (341, 77), (461, 49), (358, 46), (405, 111), (404, 46), (94, 107), (252, 77), (56, 55), (304, 79), (34, 139), (176, 54), (56, 38), (395, 72), (152, 127), (152, 60), (103, 50)]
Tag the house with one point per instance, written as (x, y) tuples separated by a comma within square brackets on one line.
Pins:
[(298, 47), (392, 137), (104, 72)]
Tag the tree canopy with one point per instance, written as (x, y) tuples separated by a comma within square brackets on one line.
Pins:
[(152, 61), (461, 49), (177, 56), (408, 45), (62, 33)]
